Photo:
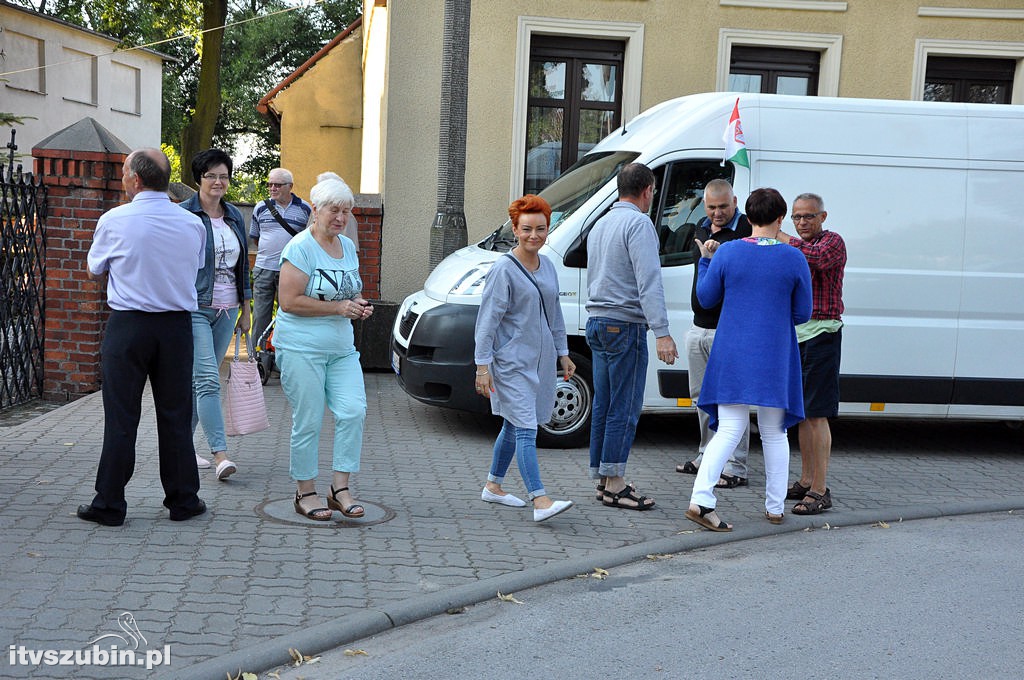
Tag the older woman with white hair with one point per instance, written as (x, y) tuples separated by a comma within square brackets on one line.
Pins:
[(319, 298)]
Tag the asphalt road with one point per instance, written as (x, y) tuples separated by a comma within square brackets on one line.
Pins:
[(929, 599)]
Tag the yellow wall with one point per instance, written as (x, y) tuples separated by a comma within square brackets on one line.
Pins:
[(680, 56), (321, 118)]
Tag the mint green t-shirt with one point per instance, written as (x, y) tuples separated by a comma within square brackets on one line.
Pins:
[(816, 327), (330, 278)]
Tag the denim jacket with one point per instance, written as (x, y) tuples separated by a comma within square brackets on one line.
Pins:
[(204, 280)]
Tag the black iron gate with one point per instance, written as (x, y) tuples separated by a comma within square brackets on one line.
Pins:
[(22, 271)]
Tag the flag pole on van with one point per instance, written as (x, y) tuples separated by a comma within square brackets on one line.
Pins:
[(735, 147)]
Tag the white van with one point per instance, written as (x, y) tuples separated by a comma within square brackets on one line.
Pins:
[(922, 193)]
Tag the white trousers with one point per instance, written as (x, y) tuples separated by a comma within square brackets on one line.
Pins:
[(733, 419), (698, 349)]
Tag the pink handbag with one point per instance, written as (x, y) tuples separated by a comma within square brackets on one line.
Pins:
[(245, 412)]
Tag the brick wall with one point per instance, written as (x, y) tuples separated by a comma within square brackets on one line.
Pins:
[(81, 186)]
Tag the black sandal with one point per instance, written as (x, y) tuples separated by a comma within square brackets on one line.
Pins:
[(320, 514), (354, 510), (812, 507), (797, 491), (600, 491), (613, 500), (730, 482), (687, 468), (700, 519)]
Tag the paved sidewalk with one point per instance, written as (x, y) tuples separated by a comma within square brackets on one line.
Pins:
[(235, 588)]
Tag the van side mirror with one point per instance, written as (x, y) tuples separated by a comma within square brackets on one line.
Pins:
[(576, 255)]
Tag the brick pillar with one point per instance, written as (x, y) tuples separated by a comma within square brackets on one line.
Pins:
[(81, 186), (373, 335), (369, 212)]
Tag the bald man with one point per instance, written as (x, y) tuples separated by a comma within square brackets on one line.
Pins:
[(148, 335)]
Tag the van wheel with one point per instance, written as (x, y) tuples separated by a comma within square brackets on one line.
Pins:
[(574, 400)]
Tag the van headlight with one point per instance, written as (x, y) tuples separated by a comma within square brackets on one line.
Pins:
[(472, 282)]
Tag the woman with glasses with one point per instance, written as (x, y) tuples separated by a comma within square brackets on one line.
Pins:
[(223, 291), (764, 291)]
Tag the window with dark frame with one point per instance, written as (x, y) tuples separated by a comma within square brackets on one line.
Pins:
[(774, 70), (575, 100), (969, 79)]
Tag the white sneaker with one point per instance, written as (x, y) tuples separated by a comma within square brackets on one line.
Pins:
[(508, 499), (225, 469), (201, 462), (547, 513)]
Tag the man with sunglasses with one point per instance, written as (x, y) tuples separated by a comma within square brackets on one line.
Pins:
[(274, 222), (820, 343)]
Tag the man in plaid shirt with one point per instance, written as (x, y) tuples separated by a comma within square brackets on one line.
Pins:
[(820, 343)]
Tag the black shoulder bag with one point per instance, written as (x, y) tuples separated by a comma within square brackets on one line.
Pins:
[(277, 216), (532, 280)]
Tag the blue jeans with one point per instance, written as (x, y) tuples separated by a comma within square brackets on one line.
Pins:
[(312, 380), (212, 330), (521, 441), (619, 350)]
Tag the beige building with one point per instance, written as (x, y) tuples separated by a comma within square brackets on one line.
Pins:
[(318, 109), (544, 73), (58, 74)]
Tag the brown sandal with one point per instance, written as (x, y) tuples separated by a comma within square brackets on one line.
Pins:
[(699, 518), (797, 491), (774, 519), (354, 510), (812, 507)]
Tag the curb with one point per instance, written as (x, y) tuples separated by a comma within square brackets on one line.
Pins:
[(326, 636)]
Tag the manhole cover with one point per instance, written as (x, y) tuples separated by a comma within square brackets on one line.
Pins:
[(284, 511)]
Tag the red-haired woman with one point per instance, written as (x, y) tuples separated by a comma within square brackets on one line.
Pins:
[(520, 342)]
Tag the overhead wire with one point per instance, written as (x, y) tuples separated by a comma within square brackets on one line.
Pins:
[(304, 5)]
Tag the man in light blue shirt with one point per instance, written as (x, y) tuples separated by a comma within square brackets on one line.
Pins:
[(148, 252), (625, 298), (274, 222)]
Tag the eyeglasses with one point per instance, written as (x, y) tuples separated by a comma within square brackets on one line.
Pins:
[(213, 178), (274, 185), (808, 217)]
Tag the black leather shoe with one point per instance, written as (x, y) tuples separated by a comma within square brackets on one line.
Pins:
[(180, 515), (90, 514)]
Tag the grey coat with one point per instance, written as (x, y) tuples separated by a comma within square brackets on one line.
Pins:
[(520, 345)]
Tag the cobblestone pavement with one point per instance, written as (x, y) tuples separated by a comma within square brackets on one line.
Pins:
[(240, 577)]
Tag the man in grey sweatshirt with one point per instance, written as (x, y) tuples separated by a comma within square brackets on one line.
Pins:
[(626, 297)]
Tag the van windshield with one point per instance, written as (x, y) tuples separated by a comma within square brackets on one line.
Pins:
[(567, 193)]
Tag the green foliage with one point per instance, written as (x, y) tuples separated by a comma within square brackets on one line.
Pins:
[(256, 56), (175, 159), (247, 188)]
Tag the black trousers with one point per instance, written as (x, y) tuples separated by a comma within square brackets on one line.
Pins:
[(136, 346)]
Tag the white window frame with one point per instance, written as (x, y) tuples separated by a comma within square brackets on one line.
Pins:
[(809, 5), (632, 34), (927, 47), (830, 47)]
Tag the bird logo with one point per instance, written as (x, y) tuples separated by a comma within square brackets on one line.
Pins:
[(132, 635)]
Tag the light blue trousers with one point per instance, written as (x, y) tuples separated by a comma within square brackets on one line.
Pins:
[(312, 380), (212, 330)]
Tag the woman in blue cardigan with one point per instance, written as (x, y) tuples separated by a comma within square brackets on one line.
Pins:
[(765, 291)]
